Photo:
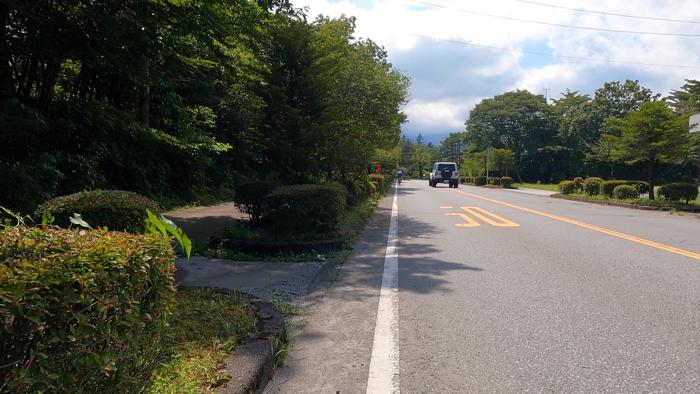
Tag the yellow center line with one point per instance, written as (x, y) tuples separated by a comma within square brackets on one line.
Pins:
[(657, 245), (502, 221), (469, 221)]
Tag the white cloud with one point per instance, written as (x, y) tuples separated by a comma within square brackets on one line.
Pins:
[(449, 78)]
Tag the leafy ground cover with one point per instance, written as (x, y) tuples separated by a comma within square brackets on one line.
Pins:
[(205, 328)]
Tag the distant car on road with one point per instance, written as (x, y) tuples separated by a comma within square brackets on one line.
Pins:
[(444, 172)]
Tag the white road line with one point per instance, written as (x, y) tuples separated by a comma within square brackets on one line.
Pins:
[(384, 364)]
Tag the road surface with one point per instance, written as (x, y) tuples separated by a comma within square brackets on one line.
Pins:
[(508, 292)]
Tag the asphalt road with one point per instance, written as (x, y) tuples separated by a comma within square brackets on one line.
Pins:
[(507, 292)]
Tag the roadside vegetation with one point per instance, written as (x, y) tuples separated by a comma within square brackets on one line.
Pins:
[(205, 328), (622, 131), (678, 195)]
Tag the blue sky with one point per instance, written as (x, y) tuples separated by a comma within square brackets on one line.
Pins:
[(456, 57)]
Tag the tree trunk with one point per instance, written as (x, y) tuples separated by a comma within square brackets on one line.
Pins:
[(53, 68), (651, 168)]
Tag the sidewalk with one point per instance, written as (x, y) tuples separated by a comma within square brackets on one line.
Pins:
[(203, 223)]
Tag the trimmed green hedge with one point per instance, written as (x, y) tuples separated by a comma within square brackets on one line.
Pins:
[(592, 185), (356, 190), (480, 180), (118, 210), (567, 187), (248, 196), (81, 311), (609, 186), (625, 192), (304, 208), (506, 182), (678, 191)]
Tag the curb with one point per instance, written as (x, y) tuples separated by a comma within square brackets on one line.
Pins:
[(626, 205), (251, 365)]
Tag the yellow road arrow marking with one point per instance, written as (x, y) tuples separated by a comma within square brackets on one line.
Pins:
[(502, 222), (469, 221), (657, 245)]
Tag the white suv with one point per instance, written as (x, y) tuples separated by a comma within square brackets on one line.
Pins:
[(444, 172)]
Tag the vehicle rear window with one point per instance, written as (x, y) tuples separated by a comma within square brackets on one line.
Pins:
[(450, 167)]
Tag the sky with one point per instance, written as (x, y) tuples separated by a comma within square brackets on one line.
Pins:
[(457, 53)]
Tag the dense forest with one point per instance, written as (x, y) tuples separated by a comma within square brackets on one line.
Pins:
[(574, 135), (180, 100)]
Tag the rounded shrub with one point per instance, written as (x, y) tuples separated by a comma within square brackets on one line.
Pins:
[(506, 182), (118, 210), (567, 187), (248, 196), (678, 191), (304, 208), (480, 180), (494, 181), (578, 181), (625, 192), (592, 186), (82, 311)]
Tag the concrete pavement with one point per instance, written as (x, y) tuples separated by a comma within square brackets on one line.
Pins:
[(508, 292)]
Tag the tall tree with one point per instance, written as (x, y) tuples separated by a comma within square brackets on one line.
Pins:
[(654, 134), (686, 100), (519, 121)]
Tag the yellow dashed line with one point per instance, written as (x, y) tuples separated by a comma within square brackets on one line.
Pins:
[(657, 245), (501, 221)]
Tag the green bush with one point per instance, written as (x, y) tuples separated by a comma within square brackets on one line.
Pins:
[(381, 180), (567, 187), (592, 186), (248, 196), (578, 181), (494, 181), (609, 186), (678, 191), (480, 180), (372, 187), (356, 190), (118, 210), (81, 311), (625, 192), (506, 182), (641, 186), (304, 208)]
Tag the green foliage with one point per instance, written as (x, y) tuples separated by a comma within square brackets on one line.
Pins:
[(82, 310), (654, 135), (117, 210), (381, 181), (248, 196), (494, 180), (608, 187), (506, 182), (625, 192), (356, 190), (567, 187), (480, 180), (304, 208), (592, 186), (166, 228), (372, 187), (679, 191), (205, 327), (578, 181)]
